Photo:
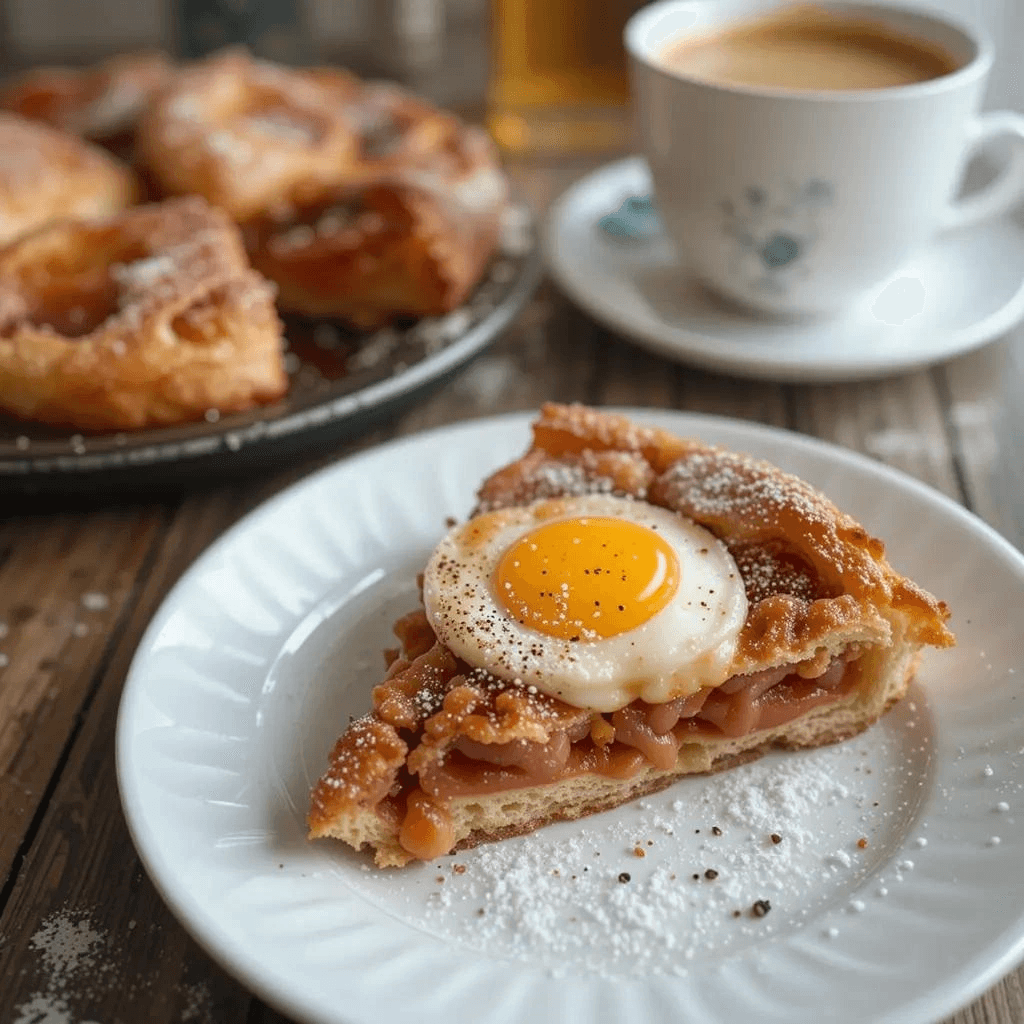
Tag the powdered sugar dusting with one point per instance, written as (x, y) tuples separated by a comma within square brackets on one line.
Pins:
[(79, 965), (767, 571), (556, 480), (718, 482), (721, 486), (197, 1005), (690, 894), (67, 943), (713, 865), (71, 953), (145, 272)]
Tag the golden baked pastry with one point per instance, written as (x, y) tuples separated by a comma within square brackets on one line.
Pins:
[(397, 130), (149, 318), (247, 135), (788, 628), (45, 174), (411, 244), (102, 102), (360, 201)]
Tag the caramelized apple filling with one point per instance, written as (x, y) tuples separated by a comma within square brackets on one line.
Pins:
[(643, 734), (455, 720)]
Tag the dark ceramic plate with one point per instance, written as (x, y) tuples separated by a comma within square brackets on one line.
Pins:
[(341, 384)]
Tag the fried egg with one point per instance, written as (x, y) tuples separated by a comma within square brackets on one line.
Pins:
[(595, 600)]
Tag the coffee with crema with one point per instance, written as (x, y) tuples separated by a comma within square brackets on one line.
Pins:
[(808, 48)]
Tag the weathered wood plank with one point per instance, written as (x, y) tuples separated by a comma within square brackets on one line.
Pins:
[(899, 421), (985, 417), (1002, 1004), (546, 354), (631, 376), (719, 395), (82, 871), (985, 395), (66, 582)]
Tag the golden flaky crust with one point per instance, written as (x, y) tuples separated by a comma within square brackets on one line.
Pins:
[(411, 245), (152, 317), (359, 200), (839, 584), (102, 102), (246, 135), (45, 174), (820, 594)]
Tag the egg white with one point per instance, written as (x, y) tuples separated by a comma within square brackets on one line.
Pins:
[(688, 644)]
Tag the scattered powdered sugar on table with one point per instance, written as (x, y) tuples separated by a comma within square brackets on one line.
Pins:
[(711, 865), (80, 964), (198, 1005), (71, 952)]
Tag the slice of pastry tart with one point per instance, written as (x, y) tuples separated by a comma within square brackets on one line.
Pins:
[(624, 607)]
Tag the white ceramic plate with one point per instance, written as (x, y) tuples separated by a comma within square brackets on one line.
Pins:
[(964, 289), (272, 639)]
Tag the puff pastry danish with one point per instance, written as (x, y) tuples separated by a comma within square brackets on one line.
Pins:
[(409, 245), (151, 317), (359, 200), (455, 752), (246, 135), (102, 103)]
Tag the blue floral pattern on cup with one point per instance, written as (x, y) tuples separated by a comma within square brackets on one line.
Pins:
[(635, 220), (775, 234)]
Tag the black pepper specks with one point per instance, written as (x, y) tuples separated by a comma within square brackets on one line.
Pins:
[(624, 877), (760, 908)]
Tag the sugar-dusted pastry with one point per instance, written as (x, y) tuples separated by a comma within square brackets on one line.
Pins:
[(397, 131), (245, 134), (361, 201), (623, 608), (410, 243), (45, 174), (102, 102), (148, 318)]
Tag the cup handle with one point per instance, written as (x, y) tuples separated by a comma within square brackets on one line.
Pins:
[(1000, 195)]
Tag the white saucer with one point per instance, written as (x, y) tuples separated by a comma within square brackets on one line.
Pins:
[(965, 289)]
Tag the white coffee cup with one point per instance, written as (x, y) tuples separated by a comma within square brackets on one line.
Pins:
[(801, 202)]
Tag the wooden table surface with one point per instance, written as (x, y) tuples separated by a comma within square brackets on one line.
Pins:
[(84, 937)]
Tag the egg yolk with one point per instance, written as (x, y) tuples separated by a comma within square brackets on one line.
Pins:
[(587, 578)]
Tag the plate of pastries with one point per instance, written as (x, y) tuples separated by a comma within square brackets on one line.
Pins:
[(232, 259)]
